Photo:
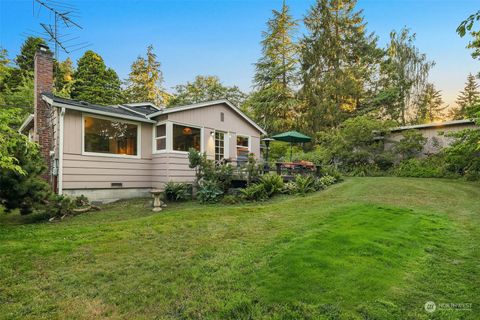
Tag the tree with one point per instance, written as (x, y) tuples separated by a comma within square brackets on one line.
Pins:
[(21, 96), (5, 70), (410, 145), (64, 78), (353, 145), (338, 62), (9, 118), (94, 82), (404, 76), (468, 97), (145, 80), (430, 105), (205, 88), (462, 156), (466, 26), (273, 104), (25, 59)]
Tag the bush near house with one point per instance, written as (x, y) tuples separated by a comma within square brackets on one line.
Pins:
[(356, 148), (214, 181), (177, 191)]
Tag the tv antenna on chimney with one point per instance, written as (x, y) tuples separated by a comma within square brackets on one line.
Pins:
[(63, 13)]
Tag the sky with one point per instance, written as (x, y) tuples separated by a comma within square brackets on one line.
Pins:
[(221, 37)]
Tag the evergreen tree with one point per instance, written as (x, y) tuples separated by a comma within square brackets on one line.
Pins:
[(430, 105), (273, 104), (5, 70), (468, 97), (404, 75), (338, 62), (63, 78), (94, 82), (145, 80), (206, 88), (25, 59)]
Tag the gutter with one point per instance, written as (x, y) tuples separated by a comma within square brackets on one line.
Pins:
[(60, 150)]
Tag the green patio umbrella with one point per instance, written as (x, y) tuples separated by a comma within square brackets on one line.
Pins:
[(292, 137)]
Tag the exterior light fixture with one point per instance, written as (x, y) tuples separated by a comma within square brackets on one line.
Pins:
[(267, 141), (187, 131)]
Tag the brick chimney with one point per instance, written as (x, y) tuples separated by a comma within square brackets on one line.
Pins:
[(43, 113)]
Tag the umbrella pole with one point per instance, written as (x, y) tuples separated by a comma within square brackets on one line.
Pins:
[(291, 146)]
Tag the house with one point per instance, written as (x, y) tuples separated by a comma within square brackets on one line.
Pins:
[(435, 133), (123, 151)]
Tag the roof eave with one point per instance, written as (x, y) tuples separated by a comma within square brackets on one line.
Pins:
[(205, 104), (433, 125), (25, 123), (91, 111)]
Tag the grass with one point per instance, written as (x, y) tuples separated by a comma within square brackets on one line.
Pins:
[(368, 248)]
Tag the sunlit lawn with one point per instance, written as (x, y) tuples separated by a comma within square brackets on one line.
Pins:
[(368, 248)]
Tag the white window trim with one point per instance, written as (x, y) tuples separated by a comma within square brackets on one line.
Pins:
[(226, 143), (169, 137), (249, 144), (154, 137), (98, 154)]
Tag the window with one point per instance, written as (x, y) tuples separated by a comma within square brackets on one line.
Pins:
[(161, 137), (110, 136), (185, 138), (242, 147), (219, 146), (222, 116)]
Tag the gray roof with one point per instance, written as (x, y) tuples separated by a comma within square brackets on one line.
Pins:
[(143, 111), (146, 109), (120, 111), (434, 125)]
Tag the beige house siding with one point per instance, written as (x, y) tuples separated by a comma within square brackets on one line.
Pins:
[(88, 172), (436, 141), (151, 169), (170, 166), (210, 119)]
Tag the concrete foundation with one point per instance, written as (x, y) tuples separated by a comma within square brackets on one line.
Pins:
[(109, 195)]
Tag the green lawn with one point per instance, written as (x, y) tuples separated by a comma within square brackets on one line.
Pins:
[(367, 248)]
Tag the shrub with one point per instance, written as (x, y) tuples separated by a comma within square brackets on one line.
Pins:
[(209, 192), (384, 161), (59, 205), (272, 182), (411, 144), (289, 188), (431, 167), (365, 170), (26, 189), (81, 201), (318, 185), (304, 184), (251, 169), (330, 170), (206, 169), (327, 180), (463, 155), (177, 191), (255, 192)]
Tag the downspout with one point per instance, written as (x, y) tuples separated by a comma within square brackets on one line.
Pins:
[(60, 151)]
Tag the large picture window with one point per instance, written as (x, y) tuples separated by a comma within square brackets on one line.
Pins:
[(243, 148), (110, 136), (185, 137)]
